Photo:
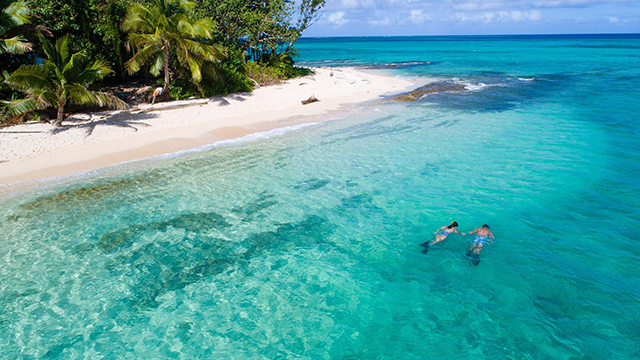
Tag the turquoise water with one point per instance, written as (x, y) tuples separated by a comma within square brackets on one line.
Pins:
[(303, 244)]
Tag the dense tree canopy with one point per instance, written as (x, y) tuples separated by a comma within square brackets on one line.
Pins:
[(182, 39)]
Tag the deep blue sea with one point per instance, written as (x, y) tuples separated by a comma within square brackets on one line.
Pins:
[(303, 243)]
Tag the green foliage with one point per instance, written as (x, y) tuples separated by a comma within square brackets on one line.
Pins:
[(61, 78), (12, 14), (94, 26), (230, 78), (165, 30), (181, 89), (274, 68), (176, 37), (233, 80), (261, 27)]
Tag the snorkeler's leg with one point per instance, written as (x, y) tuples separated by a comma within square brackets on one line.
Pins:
[(478, 248), (437, 240)]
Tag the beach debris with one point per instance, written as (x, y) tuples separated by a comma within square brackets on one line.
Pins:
[(331, 74), (310, 100), (255, 83), (157, 92)]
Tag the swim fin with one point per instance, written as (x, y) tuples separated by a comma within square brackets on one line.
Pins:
[(475, 258), (426, 247)]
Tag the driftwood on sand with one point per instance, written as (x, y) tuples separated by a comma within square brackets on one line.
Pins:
[(310, 100)]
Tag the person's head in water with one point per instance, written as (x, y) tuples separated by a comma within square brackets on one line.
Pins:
[(453, 224), (485, 226)]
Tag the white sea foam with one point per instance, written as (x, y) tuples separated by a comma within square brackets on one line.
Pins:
[(470, 86), (527, 79)]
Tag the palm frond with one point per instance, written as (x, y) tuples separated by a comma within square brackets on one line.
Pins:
[(203, 28), (111, 101), (142, 57), (28, 76), (15, 13), (74, 66), (140, 40), (185, 26), (19, 106), (195, 65), (158, 65), (95, 71), (208, 52), (15, 45), (81, 95), (43, 98), (62, 48)]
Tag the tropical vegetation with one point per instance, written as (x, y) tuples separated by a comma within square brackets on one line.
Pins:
[(190, 47), (60, 79), (167, 29), (12, 14)]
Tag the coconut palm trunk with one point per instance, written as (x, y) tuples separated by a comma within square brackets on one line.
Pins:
[(60, 116), (167, 75)]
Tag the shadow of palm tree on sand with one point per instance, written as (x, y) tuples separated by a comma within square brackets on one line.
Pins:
[(123, 119)]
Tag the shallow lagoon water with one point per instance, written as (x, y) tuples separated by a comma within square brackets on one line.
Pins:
[(305, 244)]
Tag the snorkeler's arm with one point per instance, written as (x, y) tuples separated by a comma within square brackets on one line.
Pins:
[(456, 231), (440, 228)]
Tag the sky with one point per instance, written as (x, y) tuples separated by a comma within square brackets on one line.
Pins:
[(475, 17)]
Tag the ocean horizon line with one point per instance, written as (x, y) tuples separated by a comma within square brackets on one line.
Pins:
[(568, 35)]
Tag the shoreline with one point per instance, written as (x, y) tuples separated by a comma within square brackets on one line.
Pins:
[(34, 152)]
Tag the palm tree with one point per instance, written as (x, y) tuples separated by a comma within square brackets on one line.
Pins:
[(165, 29), (13, 13), (60, 79)]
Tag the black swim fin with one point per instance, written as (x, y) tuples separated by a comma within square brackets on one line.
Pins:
[(426, 247), (475, 258)]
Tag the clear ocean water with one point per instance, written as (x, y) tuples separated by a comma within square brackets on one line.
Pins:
[(302, 243)]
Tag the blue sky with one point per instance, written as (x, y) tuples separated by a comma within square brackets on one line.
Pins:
[(475, 17)]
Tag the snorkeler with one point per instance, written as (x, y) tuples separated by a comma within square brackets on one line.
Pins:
[(483, 235), (441, 234)]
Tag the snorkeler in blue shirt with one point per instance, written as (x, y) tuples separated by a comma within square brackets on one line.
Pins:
[(483, 235), (441, 234)]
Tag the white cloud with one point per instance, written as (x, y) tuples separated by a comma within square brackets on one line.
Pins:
[(337, 18), (418, 17), (575, 3), (380, 20), (533, 15), (612, 19), (357, 4), (510, 16), (481, 5)]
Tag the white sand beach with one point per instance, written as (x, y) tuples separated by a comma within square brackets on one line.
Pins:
[(90, 141)]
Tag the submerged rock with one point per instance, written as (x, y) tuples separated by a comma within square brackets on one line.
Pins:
[(431, 88)]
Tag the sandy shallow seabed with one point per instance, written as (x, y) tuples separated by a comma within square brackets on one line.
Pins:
[(91, 141)]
